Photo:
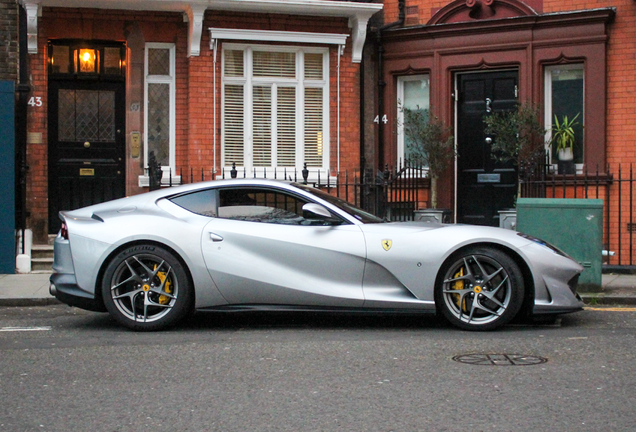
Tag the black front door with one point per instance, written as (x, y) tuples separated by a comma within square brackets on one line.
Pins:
[(484, 185), (86, 144)]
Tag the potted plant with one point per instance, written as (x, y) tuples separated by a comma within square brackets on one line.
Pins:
[(519, 137), (430, 143), (563, 137)]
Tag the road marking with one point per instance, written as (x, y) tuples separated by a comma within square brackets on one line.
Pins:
[(17, 329), (611, 309)]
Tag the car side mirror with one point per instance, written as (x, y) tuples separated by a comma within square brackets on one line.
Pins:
[(321, 213)]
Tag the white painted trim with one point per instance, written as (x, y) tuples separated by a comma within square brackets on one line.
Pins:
[(161, 79), (400, 114), (248, 81), (359, 34), (547, 109), (276, 36), (214, 65), (33, 11), (195, 14), (357, 13), (295, 7), (144, 180)]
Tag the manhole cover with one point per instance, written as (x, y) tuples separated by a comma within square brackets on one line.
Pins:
[(500, 359)]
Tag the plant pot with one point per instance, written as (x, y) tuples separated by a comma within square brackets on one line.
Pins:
[(433, 215), (508, 219), (566, 161)]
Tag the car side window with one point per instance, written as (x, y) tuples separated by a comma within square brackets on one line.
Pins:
[(264, 205), (260, 205), (201, 202)]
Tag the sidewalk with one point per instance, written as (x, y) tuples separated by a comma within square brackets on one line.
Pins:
[(33, 290)]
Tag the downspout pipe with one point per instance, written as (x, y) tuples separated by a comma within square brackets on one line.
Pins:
[(381, 82), (23, 89)]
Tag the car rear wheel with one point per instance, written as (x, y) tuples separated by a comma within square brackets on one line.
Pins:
[(146, 288), (480, 289)]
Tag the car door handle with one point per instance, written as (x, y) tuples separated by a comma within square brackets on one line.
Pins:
[(215, 237)]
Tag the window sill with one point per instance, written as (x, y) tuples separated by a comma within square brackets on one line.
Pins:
[(166, 181)]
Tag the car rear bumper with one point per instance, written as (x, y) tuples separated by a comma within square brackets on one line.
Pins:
[(63, 283), (64, 288)]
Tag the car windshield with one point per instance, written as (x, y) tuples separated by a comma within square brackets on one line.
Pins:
[(343, 205)]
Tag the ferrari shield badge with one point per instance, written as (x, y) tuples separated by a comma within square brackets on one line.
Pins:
[(386, 244)]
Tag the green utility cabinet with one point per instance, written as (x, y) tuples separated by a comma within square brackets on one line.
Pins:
[(573, 225)]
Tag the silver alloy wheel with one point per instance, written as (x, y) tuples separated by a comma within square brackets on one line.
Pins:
[(478, 290), (144, 288)]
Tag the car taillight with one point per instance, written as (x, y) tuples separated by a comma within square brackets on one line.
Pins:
[(64, 231)]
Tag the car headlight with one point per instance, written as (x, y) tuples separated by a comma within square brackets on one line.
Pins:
[(544, 243)]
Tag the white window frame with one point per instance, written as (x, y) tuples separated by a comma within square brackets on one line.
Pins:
[(401, 146), (548, 118), (144, 180), (299, 82)]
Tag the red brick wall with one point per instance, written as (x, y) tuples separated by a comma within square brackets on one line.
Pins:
[(621, 107), (621, 64), (8, 40), (195, 127), (620, 132)]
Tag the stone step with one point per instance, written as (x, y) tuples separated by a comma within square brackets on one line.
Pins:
[(42, 251), (41, 265), (42, 258)]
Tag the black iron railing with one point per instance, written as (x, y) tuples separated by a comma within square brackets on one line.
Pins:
[(395, 193), (614, 184)]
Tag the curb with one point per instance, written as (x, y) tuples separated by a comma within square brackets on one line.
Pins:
[(601, 299), (25, 302)]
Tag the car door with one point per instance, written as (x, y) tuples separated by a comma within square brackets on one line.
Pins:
[(261, 249)]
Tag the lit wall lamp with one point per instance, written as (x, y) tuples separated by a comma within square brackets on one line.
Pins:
[(68, 57), (86, 60)]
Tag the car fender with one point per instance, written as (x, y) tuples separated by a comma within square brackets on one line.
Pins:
[(418, 251), (92, 254)]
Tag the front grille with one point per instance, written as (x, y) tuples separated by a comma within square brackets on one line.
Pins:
[(573, 284)]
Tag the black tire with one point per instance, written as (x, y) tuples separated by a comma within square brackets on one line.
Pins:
[(480, 288), (146, 288)]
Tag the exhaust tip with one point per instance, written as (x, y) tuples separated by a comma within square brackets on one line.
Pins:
[(52, 289)]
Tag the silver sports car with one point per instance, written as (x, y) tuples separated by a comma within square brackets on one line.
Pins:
[(240, 245)]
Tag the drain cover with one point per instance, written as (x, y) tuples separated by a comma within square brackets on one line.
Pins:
[(500, 359)]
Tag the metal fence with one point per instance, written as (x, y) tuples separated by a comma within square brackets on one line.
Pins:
[(396, 193), (393, 194), (614, 185)]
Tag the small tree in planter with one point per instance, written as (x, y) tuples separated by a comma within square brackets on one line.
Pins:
[(430, 143), (519, 137)]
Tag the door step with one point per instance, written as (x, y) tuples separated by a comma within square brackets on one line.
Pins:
[(41, 258)]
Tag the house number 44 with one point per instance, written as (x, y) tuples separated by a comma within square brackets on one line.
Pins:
[(35, 101), (377, 119)]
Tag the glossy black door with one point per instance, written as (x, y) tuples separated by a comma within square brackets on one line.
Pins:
[(86, 145), (485, 185)]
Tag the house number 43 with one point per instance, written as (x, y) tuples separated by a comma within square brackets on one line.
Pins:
[(35, 101)]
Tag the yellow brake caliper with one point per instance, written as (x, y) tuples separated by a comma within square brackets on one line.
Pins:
[(167, 287), (459, 285)]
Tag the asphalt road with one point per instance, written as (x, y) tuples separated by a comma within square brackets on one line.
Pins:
[(63, 369)]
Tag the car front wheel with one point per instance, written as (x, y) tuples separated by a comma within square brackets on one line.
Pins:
[(480, 289), (146, 288)]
